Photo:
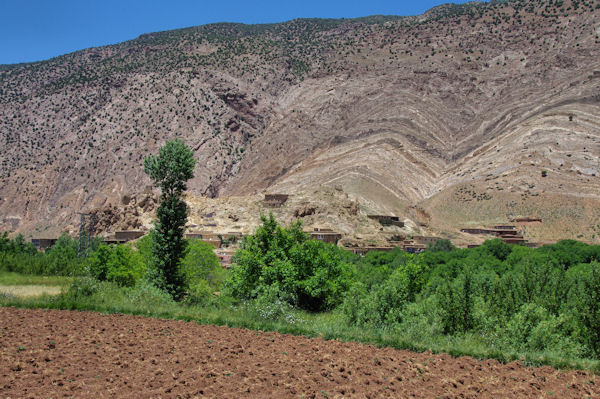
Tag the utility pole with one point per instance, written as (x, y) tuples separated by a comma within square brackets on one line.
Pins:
[(85, 233)]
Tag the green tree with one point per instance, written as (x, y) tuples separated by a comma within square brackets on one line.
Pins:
[(61, 258), (384, 304), (202, 271), (303, 272), (119, 263), (441, 245), (497, 248), (588, 307), (170, 170)]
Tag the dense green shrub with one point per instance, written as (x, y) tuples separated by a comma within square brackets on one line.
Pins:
[(202, 273), (510, 297), (456, 299), (119, 263), (588, 306), (18, 256), (376, 266), (305, 273), (16, 245), (382, 304)]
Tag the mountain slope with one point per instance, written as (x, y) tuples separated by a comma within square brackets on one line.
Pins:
[(398, 112)]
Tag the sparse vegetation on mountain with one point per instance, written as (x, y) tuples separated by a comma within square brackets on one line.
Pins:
[(411, 108)]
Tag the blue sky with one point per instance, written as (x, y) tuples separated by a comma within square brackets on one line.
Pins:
[(33, 30)]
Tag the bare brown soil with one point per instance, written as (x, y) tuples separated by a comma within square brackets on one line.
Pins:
[(48, 353)]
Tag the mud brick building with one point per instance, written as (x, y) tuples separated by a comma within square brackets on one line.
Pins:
[(475, 230), (507, 233), (326, 235), (526, 220), (123, 236), (413, 247), (225, 257), (512, 238), (426, 240), (208, 237)]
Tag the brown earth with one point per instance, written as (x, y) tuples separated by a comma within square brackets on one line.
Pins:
[(49, 353)]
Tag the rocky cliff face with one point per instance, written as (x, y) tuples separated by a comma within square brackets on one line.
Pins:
[(398, 112)]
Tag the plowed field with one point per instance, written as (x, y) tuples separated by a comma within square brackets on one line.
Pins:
[(55, 354)]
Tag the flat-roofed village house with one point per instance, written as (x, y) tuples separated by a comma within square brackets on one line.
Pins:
[(123, 236)]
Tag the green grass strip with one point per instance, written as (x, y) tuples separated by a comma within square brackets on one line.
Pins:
[(319, 325)]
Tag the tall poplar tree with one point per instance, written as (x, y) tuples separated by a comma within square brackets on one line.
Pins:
[(170, 170)]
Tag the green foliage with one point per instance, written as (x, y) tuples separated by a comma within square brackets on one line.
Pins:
[(497, 248), (441, 245), (16, 245), (83, 287), (119, 263), (456, 304), (305, 273), (65, 249), (269, 306), (170, 170), (507, 296), (375, 267), (384, 303), (588, 307), (144, 247), (18, 256), (203, 274)]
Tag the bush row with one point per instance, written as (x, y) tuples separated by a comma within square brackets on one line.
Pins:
[(125, 264), (510, 297)]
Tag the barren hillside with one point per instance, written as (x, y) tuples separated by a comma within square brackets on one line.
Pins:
[(456, 115)]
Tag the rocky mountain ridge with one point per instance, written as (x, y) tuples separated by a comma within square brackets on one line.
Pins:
[(399, 113)]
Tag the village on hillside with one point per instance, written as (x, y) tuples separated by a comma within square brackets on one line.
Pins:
[(226, 243)]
